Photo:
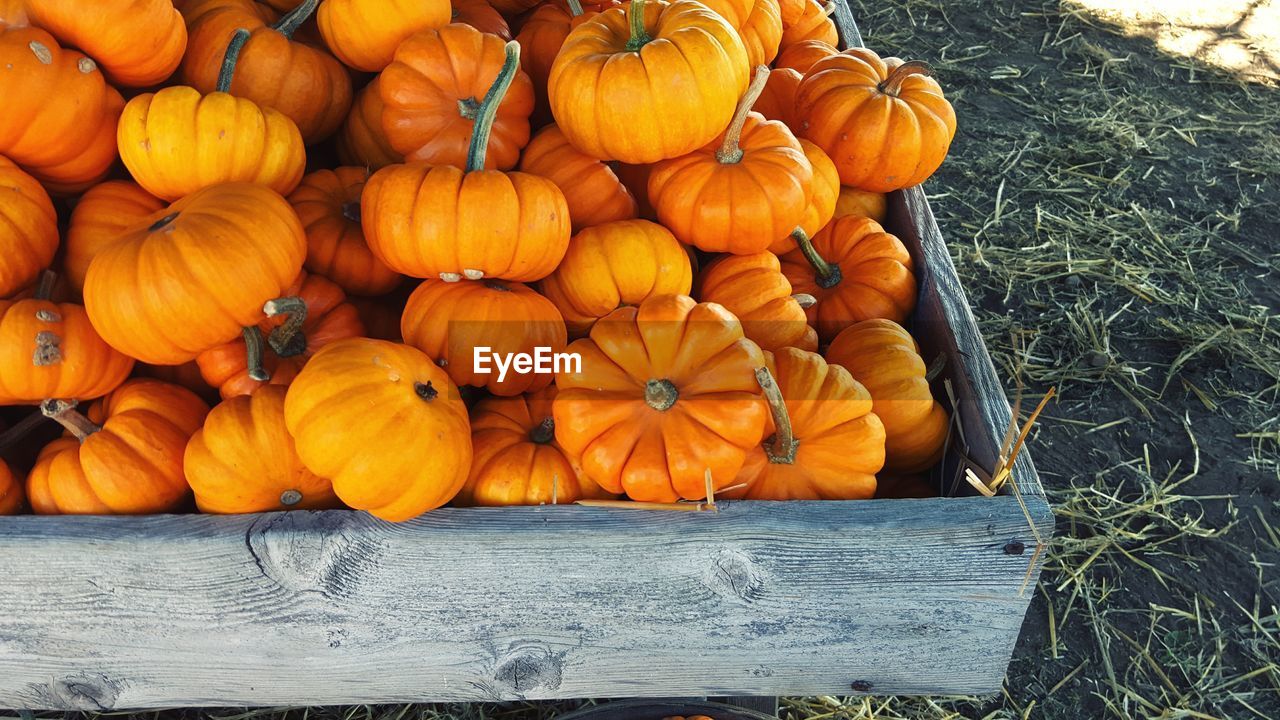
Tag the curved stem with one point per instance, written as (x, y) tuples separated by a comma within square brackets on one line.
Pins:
[(639, 36), (575, 8), (288, 339), (228, 71), (892, 85), (781, 448), (489, 108), (544, 432), (729, 152), (825, 274), (44, 289), (660, 394), (253, 353), (64, 413), (21, 429), (293, 19)]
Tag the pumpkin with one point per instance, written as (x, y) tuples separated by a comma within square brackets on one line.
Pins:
[(591, 188), (517, 460), (740, 193), (243, 460), (753, 288), (884, 122), (310, 314), (177, 141), (802, 55), (431, 96), (813, 23), (611, 85), (362, 140), (778, 99), (124, 456), (613, 265), (188, 277), (138, 43), (450, 322), (825, 442), (480, 15), (12, 498), (49, 350), (441, 221), (266, 66), (759, 25), (791, 10), (665, 394), (28, 228), (823, 199), (882, 356), (13, 13), (541, 37), (855, 270), (364, 34), (384, 423), (862, 203), (186, 375), (60, 116), (99, 219), (513, 7), (328, 204)]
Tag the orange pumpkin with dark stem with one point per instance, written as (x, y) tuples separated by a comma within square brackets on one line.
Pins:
[(591, 188), (541, 37), (616, 264), (440, 221), (862, 203), (610, 86), (740, 193), (753, 288), (884, 122), (28, 228), (384, 423), (802, 55), (362, 139), (99, 219), (188, 277), (59, 120), (138, 43), (480, 15), (882, 356), (243, 460), (813, 23), (666, 394), (823, 199), (364, 34), (856, 270), (328, 204), (124, 456), (12, 498), (778, 99)]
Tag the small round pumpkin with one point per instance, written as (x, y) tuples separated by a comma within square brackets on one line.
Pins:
[(591, 188), (480, 15), (49, 350), (778, 99), (802, 55), (541, 36), (384, 423), (28, 228), (328, 204), (138, 43), (12, 498), (813, 23), (362, 140), (823, 199), (862, 203), (753, 288), (364, 34), (759, 25), (99, 219), (243, 460)]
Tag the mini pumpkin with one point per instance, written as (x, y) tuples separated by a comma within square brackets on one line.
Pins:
[(480, 15), (813, 23), (862, 203), (759, 25), (823, 199), (138, 43), (541, 36), (49, 350), (99, 219), (12, 498), (28, 228), (328, 204), (592, 190), (362, 140), (364, 34), (802, 55), (778, 99), (753, 288)]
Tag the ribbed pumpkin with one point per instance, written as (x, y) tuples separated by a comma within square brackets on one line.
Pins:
[(591, 188), (364, 34), (753, 288), (856, 270), (611, 85), (49, 350), (667, 393), (439, 221), (480, 15), (447, 321), (100, 219), (742, 192), (362, 139), (802, 55), (862, 203), (138, 43), (759, 25), (124, 456), (884, 122), (823, 199), (616, 264), (28, 228), (328, 204), (189, 277), (243, 460), (813, 23), (384, 423), (431, 96), (59, 119), (882, 356), (541, 36), (778, 99), (12, 498), (517, 459)]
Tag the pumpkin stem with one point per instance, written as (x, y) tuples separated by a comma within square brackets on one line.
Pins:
[(292, 20), (892, 85), (575, 8), (826, 274), (21, 429), (253, 353), (228, 71), (287, 340), (469, 108), (289, 498), (639, 36), (781, 448), (660, 394), (44, 289), (64, 413), (426, 391), (489, 108), (544, 432), (351, 211), (729, 152), (805, 300)]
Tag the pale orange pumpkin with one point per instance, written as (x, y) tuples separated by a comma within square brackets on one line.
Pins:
[(862, 203)]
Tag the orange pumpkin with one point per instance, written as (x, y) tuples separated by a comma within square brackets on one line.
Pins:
[(753, 288), (12, 498), (740, 193), (778, 99), (823, 199), (28, 228), (610, 86), (813, 23), (480, 15), (759, 25), (99, 219), (432, 92), (328, 204), (450, 321), (243, 460), (862, 203), (59, 120), (187, 278), (882, 356), (124, 456), (186, 375), (856, 270), (591, 188), (513, 7), (802, 55), (541, 37), (666, 393), (49, 350), (364, 34), (13, 13), (884, 122), (138, 43), (616, 264), (362, 140), (384, 423), (517, 459)]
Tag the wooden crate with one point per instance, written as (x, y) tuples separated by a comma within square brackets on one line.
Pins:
[(884, 596)]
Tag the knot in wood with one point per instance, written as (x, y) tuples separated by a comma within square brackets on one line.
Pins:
[(531, 668), (85, 691), (734, 575)]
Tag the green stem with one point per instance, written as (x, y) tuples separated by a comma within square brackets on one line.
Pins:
[(892, 85), (489, 108), (228, 71), (293, 19), (781, 448), (253, 353), (287, 340), (575, 8), (639, 36), (64, 413), (729, 152), (825, 274)]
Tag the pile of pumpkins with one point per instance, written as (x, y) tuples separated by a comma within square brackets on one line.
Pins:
[(247, 249)]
